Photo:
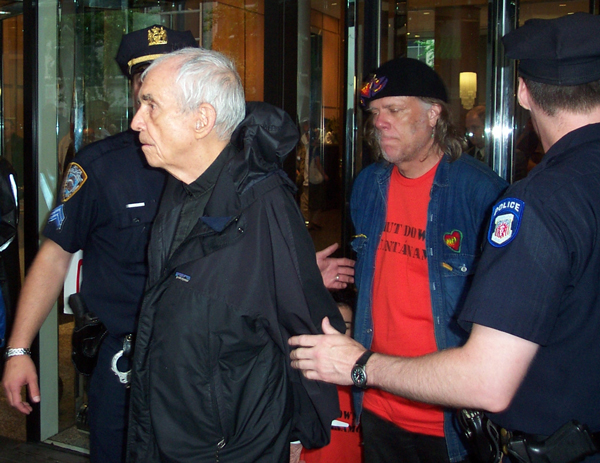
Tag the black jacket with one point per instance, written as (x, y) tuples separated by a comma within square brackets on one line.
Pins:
[(212, 379)]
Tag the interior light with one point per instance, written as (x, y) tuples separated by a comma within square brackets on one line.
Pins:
[(468, 89)]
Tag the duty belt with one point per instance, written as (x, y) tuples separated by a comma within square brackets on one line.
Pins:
[(572, 442), (125, 353)]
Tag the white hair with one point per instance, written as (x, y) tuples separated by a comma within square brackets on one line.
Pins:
[(207, 76)]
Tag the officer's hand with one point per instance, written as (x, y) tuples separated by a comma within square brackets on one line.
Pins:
[(327, 357), (337, 273), (20, 371)]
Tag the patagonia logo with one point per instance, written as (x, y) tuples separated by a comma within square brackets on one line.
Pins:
[(453, 240), (57, 217), (505, 223), (182, 276)]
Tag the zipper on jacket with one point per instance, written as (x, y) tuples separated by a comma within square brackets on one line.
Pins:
[(212, 388), (220, 445)]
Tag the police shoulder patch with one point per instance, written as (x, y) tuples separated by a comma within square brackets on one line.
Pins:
[(506, 219), (74, 180)]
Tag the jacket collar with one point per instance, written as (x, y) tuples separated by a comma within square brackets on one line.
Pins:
[(441, 175)]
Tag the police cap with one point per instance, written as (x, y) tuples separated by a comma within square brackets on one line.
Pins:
[(561, 51), (144, 46), (404, 77)]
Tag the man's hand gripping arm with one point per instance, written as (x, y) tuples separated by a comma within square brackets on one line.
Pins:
[(485, 373)]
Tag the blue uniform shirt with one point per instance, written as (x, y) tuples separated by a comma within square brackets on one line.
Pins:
[(539, 279), (107, 203)]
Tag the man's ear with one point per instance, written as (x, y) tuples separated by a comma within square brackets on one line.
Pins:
[(433, 114), (523, 95), (206, 117)]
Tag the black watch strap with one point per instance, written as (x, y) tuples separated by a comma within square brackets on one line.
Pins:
[(362, 360), (359, 371)]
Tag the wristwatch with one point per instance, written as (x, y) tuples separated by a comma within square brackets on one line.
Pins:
[(14, 351), (359, 372)]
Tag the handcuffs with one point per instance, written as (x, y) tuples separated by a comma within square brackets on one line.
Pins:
[(126, 352)]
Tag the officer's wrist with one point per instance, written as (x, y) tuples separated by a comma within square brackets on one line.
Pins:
[(16, 352)]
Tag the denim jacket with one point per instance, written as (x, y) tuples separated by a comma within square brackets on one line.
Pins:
[(462, 195)]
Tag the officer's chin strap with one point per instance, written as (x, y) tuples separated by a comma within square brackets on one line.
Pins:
[(126, 352)]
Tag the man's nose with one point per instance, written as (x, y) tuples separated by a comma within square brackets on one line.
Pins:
[(137, 123), (379, 121)]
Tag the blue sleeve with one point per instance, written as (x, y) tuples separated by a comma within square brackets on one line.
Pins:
[(522, 275), (76, 214)]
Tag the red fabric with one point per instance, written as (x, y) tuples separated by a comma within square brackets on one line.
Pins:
[(345, 445), (402, 317)]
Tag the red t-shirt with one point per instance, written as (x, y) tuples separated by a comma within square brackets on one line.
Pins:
[(402, 316), (345, 445)]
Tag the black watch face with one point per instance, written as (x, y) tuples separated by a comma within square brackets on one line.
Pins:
[(359, 377)]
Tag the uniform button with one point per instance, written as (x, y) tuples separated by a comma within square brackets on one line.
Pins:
[(463, 269), (370, 330), (240, 230)]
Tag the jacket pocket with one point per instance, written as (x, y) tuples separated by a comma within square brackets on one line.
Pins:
[(457, 274), (458, 266), (136, 214), (134, 222)]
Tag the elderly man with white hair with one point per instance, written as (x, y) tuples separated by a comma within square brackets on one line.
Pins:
[(232, 277)]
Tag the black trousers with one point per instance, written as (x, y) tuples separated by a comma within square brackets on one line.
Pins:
[(384, 442), (108, 408)]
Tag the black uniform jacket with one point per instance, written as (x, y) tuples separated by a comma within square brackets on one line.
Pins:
[(212, 379)]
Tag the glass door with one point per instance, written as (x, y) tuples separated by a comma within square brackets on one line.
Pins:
[(459, 43), (12, 154)]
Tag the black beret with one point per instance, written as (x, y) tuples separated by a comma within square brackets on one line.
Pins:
[(561, 51), (403, 77), (144, 46)]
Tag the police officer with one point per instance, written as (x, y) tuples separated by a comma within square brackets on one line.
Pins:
[(533, 353), (106, 207)]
